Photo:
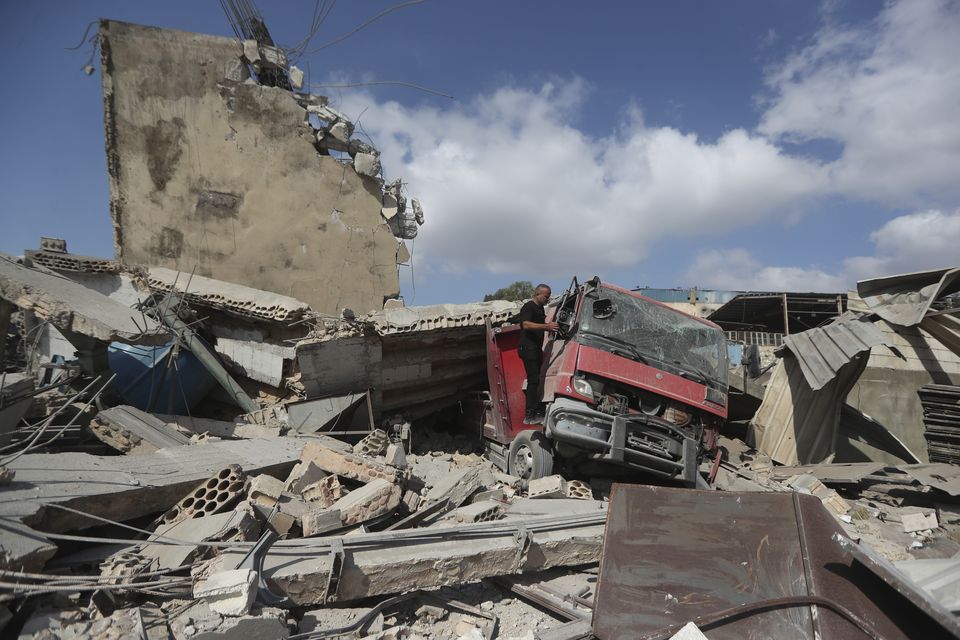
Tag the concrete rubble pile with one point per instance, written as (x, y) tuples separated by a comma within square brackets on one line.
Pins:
[(237, 429)]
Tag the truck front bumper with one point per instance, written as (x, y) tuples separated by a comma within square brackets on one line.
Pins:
[(635, 440)]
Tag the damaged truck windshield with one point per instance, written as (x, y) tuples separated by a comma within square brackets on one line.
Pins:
[(677, 343), (627, 381)]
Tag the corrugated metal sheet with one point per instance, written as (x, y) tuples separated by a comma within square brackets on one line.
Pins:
[(823, 351), (905, 299), (795, 424)]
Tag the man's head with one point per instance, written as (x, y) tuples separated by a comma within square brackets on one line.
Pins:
[(541, 294)]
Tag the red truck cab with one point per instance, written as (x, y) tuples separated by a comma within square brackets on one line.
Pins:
[(627, 380)]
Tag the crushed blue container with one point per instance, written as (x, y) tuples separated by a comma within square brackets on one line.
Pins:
[(153, 379)]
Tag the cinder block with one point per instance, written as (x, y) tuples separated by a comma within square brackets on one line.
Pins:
[(321, 521), (479, 512), (265, 490), (215, 495), (579, 489), (396, 456), (348, 465), (376, 498), (373, 444), (549, 487), (324, 492)]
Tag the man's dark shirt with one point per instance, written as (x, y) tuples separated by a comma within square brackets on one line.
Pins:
[(531, 340)]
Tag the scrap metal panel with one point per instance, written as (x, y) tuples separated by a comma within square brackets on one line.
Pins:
[(671, 556)]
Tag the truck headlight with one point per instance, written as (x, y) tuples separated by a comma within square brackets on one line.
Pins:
[(581, 386)]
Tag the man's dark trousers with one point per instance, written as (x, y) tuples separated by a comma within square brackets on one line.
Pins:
[(531, 364)]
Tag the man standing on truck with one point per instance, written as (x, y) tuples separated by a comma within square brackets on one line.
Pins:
[(533, 324)]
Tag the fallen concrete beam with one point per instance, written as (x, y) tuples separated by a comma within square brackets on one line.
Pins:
[(227, 296), (221, 428), (131, 430), (73, 308), (116, 487), (359, 566), (348, 465)]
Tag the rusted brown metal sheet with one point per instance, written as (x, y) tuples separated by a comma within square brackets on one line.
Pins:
[(672, 556)]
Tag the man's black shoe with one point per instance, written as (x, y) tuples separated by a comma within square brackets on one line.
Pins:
[(537, 419)]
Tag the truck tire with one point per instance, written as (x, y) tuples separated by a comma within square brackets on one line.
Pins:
[(530, 456)]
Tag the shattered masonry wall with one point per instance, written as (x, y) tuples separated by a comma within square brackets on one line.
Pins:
[(213, 175)]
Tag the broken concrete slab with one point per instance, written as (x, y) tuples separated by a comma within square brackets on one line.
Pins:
[(116, 487), (220, 428), (230, 593), (200, 622), (130, 430), (73, 308), (403, 561), (303, 475), (558, 506), (455, 487), (919, 521), (239, 524)]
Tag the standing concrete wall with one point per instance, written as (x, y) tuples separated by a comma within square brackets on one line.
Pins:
[(887, 388), (214, 174)]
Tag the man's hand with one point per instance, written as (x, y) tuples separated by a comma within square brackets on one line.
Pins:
[(553, 326)]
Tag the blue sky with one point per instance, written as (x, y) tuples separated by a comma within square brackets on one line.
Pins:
[(768, 144)]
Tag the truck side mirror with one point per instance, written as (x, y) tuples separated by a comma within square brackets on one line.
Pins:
[(603, 309)]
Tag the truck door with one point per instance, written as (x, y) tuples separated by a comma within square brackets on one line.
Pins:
[(505, 374)]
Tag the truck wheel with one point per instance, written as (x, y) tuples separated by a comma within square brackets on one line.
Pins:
[(530, 456)]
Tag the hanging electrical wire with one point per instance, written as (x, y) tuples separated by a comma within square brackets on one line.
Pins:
[(321, 9), (367, 23)]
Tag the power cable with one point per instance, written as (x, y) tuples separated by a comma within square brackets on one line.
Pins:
[(366, 23)]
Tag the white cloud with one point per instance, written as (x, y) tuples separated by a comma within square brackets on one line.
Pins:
[(913, 242), (737, 270), (888, 92), (510, 185)]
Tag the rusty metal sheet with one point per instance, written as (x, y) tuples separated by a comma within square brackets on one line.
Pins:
[(671, 556)]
